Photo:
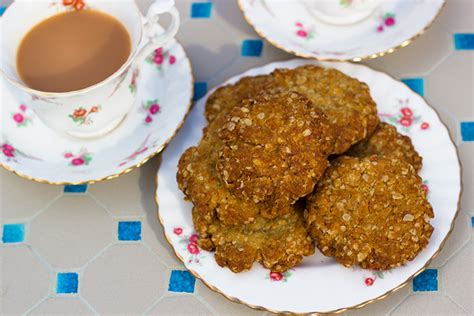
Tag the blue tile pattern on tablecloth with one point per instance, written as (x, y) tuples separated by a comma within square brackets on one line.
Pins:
[(467, 131), (252, 48), (201, 10), (130, 231), (67, 283), (2, 9), (80, 188), (181, 281), (416, 84), (464, 41), (13, 233), (426, 281), (200, 90)]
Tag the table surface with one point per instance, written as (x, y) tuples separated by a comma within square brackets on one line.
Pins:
[(99, 249)]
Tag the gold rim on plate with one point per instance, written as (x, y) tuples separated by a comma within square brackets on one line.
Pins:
[(137, 165), (343, 309), (355, 59)]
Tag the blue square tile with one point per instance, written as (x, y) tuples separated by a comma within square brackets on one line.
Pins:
[(464, 41), (416, 84), (130, 231), (200, 90), (467, 131), (201, 10), (13, 233), (81, 188), (426, 281), (67, 283), (252, 48), (2, 9), (181, 281)]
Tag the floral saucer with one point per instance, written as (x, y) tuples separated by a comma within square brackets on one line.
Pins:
[(296, 27), (33, 151), (319, 284)]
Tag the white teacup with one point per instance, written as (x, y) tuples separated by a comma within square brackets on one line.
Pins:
[(98, 109), (342, 12)]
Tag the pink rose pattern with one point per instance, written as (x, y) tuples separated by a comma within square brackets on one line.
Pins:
[(303, 32), (190, 244), (386, 20), (425, 187), (22, 117), (405, 119), (11, 153), (151, 108), (160, 58), (279, 276), (370, 280), (83, 158), (8, 150)]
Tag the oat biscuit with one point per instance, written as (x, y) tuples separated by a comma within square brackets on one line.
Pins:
[(345, 100), (197, 178), (232, 226), (275, 149), (386, 141), (278, 244), (370, 212), (228, 96)]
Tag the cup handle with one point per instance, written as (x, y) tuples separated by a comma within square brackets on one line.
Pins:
[(152, 30)]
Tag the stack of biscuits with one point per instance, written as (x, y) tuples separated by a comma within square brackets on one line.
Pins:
[(298, 159)]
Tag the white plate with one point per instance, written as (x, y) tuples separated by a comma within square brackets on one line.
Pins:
[(319, 284), (33, 151), (290, 25)]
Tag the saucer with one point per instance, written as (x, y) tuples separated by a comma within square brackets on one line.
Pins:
[(33, 151), (319, 284), (329, 32)]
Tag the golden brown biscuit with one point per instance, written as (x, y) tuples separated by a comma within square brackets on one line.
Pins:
[(386, 141), (370, 212), (228, 96), (219, 217), (197, 178), (345, 100), (275, 149), (278, 244)]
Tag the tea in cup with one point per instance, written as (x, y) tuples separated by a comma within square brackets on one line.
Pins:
[(78, 61)]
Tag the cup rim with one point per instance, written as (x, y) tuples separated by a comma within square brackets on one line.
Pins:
[(117, 73)]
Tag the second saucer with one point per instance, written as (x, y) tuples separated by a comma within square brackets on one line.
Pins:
[(340, 30)]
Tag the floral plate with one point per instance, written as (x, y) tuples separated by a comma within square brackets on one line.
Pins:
[(319, 284), (292, 26), (33, 151)]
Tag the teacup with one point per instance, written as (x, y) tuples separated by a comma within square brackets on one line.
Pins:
[(342, 12), (103, 105)]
